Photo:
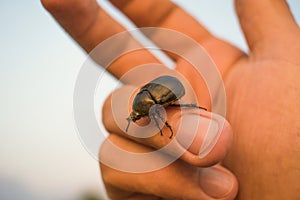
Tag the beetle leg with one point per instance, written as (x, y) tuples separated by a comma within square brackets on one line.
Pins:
[(159, 115), (189, 105), (154, 116), (129, 120), (163, 120), (168, 125)]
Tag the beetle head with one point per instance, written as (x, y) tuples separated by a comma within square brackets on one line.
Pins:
[(132, 117), (140, 106)]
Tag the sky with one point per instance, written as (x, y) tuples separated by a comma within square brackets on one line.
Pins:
[(41, 154)]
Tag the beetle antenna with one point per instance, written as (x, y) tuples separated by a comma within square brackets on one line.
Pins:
[(188, 105), (129, 120)]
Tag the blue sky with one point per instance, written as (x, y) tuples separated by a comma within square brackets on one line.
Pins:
[(40, 151)]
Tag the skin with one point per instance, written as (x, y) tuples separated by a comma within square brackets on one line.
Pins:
[(263, 99)]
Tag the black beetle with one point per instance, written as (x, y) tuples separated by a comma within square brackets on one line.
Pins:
[(164, 91)]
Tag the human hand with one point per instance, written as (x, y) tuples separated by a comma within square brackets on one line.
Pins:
[(249, 90), (155, 175), (263, 93)]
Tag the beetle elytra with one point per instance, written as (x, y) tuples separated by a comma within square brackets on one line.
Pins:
[(164, 91)]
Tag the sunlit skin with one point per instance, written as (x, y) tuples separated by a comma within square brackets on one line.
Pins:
[(262, 87)]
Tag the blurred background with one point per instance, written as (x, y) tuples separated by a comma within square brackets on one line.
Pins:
[(41, 155)]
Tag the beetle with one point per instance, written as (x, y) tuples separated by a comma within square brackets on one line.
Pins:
[(164, 91)]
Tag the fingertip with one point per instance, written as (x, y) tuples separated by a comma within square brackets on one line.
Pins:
[(206, 137), (218, 182)]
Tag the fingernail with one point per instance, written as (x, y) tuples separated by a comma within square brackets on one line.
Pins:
[(215, 182), (199, 132), (213, 132)]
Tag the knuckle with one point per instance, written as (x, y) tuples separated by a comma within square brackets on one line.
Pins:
[(58, 6), (106, 171), (52, 5), (106, 110), (106, 174)]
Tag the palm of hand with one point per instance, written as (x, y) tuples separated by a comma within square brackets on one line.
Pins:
[(266, 127)]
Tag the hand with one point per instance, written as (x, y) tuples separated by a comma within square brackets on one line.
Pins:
[(155, 175), (263, 93), (262, 87)]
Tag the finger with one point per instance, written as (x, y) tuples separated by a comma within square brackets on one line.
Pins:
[(167, 183), (265, 23), (79, 19), (90, 25), (200, 138), (165, 14)]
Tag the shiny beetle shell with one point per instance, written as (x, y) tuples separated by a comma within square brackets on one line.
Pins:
[(164, 90)]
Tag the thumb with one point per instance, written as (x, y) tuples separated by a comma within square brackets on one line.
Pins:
[(178, 180), (200, 138)]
